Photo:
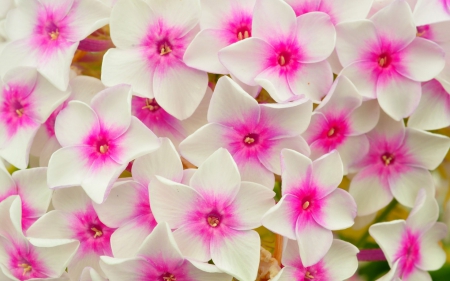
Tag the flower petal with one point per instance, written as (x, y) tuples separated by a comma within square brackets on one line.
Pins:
[(276, 83), (433, 256), (361, 75), (123, 269), (342, 97), (340, 262), (313, 240), (338, 211), (70, 200), (352, 151), (430, 11), (273, 19), (388, 236), (296, 168), (253, 171), (126, 240), (364, 118), (192, 244), (425, 212), (282, 218), (406, 185), (327, 172)]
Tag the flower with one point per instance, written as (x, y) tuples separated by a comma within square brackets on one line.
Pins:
[(151, 38), (387, 61), (26, 101), (340, 122), (214, 215), (253, 133), (285, 55), (29, 258), (74, 217), (128, 209), (431, 11), (311, 205), (98, 142), (46, 34), (339, 264), (396, 166), (413, 244)]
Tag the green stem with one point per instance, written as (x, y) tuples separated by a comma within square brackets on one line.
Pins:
[(362, 241)]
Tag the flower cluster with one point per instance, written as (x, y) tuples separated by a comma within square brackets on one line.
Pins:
[(219, 140)]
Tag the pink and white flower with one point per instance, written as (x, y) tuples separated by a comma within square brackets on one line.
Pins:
[(431, 11), (127, 208), (214, 215), (386, 60), (253, 133), (165, 125), (340, 122), (98, 142), (311, 205), (83, 88), (413, 245), (285, 55), (339, 264), (31, 186), (46, 34), (74, 217), (396, 166), (159, 258), (151, 38), (26, 101), (223, 23), (30, 258)]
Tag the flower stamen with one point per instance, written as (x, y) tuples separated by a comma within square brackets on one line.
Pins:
[(150, 104), (169, 278), (305, 205), (19, 112), (281, 60), (213, 221), (26, 268), (104, 148), (165, 49), (98, 233), (331, 132), (54, 34), (249, 140), (308, 275), (387, 159)]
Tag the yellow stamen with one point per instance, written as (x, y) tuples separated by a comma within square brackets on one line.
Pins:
[(240, 37), (26, 268), (150, 106), (213, 221), (382, 61), (282, 60), (246, 35), (54, 34), (165, 50), (331, 132), (98, 233), (305, 205), (19, 112), (170, 278), (249, 140), (104, 148), (308, 275), (387, 160)]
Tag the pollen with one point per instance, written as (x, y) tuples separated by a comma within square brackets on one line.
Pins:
[(281, 60), (26, 268), (331, 132), (19, 112), (97, 233), (305, 205), (149, 104), (213, 221), (388, 159), (165, 49), (54, 34), (249, 140), (308, 275), (170, 278), (104, 148), (242, 36)]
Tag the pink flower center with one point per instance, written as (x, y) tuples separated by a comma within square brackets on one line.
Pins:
[(213, 220), (102, 146), (26, 268), (387, 158), (309, 275), (384, 60), (151, 105), (17, 108), (422, 31), (332, 132), (243, 32), (164, 47), (284, 58), (168, 277), (52, 30), (97, 231), (305, 205), (251, 139)]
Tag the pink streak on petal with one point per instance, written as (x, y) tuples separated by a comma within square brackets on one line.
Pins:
[(318, 271), (239, 21), (425, 31), (409, 252), (333, 130), (17, 98), (438, 91), (142, 208), (82, 224), (25, 254), (158, 268), (158, 120)]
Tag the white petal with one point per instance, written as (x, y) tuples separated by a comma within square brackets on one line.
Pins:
[(128, 23), (230, 104), (388, 236), (203, 52), (126, 240), (218, 177), (369, 192), (252, 202), (88, 260), (398, 96), (364, 118), (433, 111), (360, 73), (432, 255), (396, 23), (340, 262), (74, 123), (343, 97), (286, 274), (123, 269), (20, 21), (327, 172), (7, 184), (276, 83), (171, 201), (253, 51), (425, 212), (392, 130), (314, 241), (348, 10), (272, 19), (237, 254), (11, 217), (352, 151), (130, 67), (254, 171), (90, 274), (164, 162), (207, 272), (405, 186), (179, 88), (427, 149), (316, 35), (313, 80), (86, 17), (53, 225), (18, 53), (282, 218), (191, 244), (84, 88), (138, 140), (296, 168), (67, 167), (418, 275), (70, 200), (113, 108), (338, 211), (430, 11)]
